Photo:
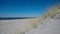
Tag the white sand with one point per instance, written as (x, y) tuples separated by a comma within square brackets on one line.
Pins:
[(18, 26), (14, 26)]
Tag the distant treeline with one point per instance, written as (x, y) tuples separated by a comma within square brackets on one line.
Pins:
[(10, 18)]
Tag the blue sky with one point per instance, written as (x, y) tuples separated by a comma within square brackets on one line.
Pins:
[(24, 8)]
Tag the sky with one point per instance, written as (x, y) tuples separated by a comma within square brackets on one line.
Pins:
[(24, 8)]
